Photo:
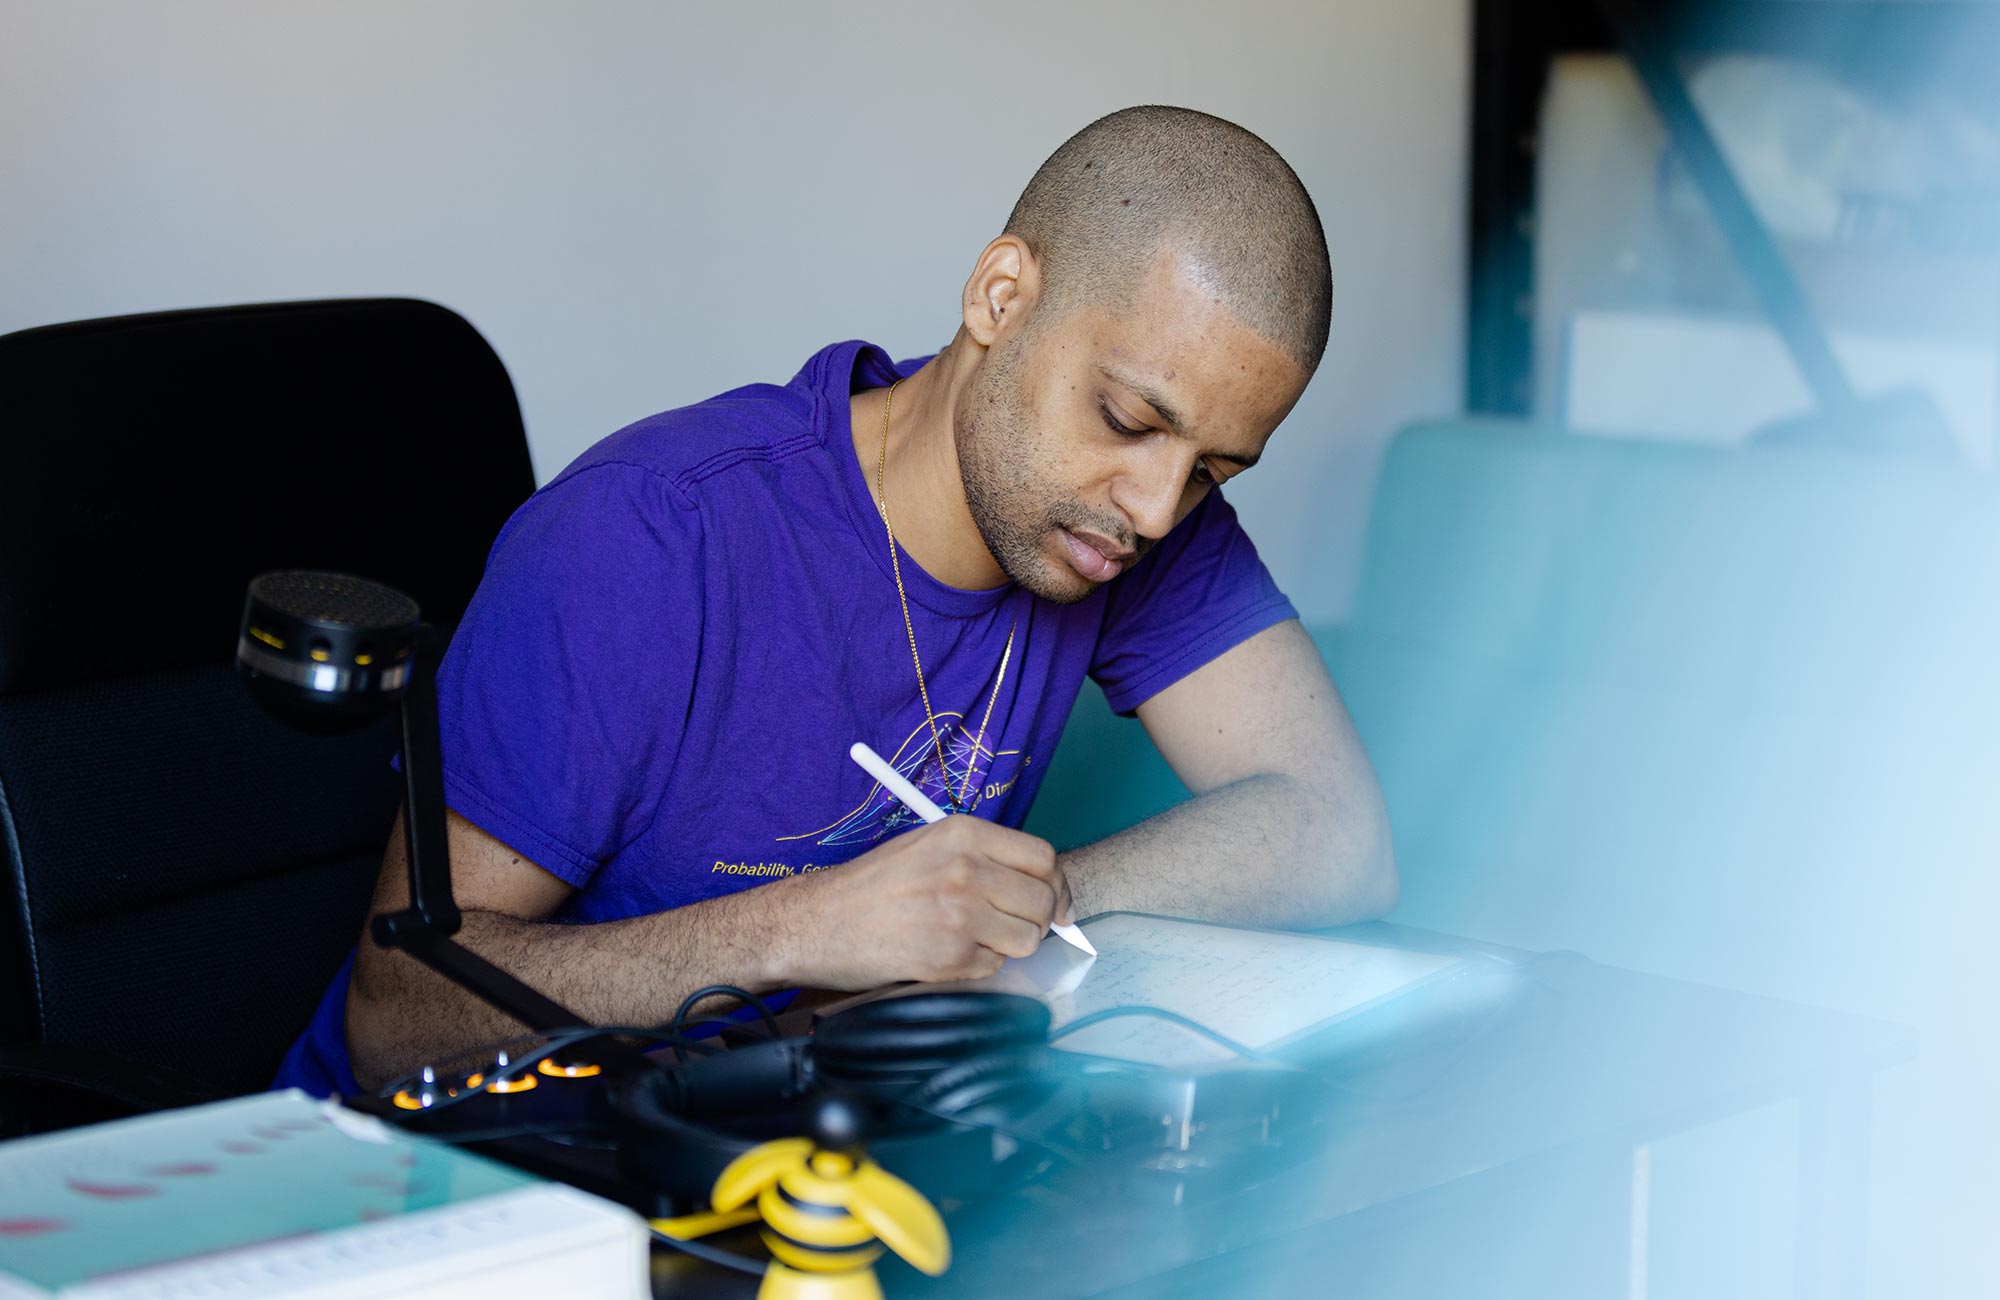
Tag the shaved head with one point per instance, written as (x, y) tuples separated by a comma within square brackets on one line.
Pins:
[(1144, 179)]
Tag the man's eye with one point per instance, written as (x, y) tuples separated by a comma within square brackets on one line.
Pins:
[(1203, 475), (1116, 425)]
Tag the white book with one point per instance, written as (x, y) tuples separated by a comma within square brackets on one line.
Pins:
[(279, 1195)]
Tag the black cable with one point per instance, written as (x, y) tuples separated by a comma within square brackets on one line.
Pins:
[(710, 1254), (743, 996), (1325, 1072), (1158, 1013), (1037, 1140)]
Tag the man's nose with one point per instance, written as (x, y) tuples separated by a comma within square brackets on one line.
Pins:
[(1150, 494)]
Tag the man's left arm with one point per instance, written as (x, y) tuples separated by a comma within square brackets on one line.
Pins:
[(1286, 826)]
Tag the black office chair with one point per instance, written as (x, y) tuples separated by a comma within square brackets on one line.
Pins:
[(184, 873)]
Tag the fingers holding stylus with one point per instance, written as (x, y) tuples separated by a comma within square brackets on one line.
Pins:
[(1036, 857), (941, 902), (1006, 934), (1016, 849), (1027, 896)]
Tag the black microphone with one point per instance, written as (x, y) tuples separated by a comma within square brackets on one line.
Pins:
[(326, 651), (330, 652)]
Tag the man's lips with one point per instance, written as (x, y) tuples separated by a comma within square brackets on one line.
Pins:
[(1094, 557)]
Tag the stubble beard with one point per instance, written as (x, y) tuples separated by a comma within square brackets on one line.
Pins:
[(1003, 472)]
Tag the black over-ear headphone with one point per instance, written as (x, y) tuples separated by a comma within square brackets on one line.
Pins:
[(914, 1064)]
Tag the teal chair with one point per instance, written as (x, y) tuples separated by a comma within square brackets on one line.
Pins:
[(1731, 715), (1724, 713)]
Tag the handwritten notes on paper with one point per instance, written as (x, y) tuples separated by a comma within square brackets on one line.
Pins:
[(1260, 989)]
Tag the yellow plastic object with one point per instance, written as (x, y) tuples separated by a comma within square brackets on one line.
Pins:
[(807, 1259), (899, 1215), (750, 1173), (407, 1100), (803, 1218), (686, 1227), (782, 1283), (517, 1083), (827, 1217), (547, 1065)]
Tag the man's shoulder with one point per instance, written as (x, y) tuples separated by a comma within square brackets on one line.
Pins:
[(689, 444), (757, 424)]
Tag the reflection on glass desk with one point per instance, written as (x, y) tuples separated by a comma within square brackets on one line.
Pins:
[(1510, 1158)]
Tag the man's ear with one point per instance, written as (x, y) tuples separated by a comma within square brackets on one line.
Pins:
[(1006, 282)]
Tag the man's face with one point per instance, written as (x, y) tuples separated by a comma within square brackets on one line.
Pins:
[(1083, 440)]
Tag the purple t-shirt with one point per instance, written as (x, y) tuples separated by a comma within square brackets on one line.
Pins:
[(654, 690)]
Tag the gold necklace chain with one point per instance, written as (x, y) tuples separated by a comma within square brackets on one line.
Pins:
[(902, 597)]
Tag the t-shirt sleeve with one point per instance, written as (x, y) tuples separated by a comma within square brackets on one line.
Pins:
[(562, 697), (1199, 592)]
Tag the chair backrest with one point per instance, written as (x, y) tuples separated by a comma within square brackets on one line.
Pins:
[(184, 873), (1723, 713)]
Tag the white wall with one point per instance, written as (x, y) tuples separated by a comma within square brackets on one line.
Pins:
[(642, 203)]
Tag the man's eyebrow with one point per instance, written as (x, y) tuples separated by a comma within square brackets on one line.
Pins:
[(1149, 396), (1152, 398)]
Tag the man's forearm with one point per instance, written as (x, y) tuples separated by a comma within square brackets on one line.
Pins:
[(1266, 850), (401, 1014)]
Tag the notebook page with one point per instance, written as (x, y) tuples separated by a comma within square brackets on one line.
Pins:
[(1261, 989)]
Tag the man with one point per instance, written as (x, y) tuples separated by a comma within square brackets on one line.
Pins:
[(647, 710)]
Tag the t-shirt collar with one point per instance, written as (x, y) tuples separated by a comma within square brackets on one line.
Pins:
[(835, 375)]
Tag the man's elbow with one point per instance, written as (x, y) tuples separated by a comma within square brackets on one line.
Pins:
[(370, 1022), (1362, 884), (1382, 887), (378, 1020)]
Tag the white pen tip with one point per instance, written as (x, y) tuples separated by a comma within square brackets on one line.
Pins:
[(1075, 937)]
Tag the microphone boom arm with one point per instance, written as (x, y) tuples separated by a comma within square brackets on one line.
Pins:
[(424, 928)]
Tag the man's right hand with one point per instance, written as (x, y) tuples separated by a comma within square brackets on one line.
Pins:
[(947, 901)]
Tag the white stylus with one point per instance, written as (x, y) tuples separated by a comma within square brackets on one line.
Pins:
[(916, 801)]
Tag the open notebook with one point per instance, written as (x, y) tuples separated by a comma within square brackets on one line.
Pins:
[(279, 1195), (1264, 989)]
